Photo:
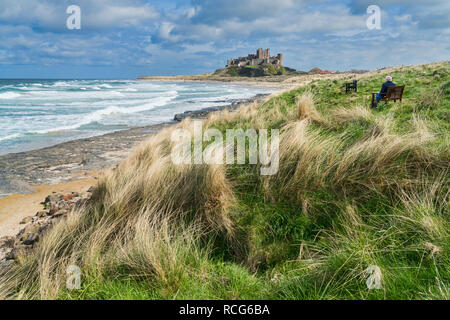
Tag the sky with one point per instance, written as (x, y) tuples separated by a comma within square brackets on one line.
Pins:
[(124, 39)]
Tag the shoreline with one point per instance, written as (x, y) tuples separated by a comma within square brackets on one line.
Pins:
[(274, 83)]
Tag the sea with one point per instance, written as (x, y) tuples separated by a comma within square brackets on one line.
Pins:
[(41, 113)]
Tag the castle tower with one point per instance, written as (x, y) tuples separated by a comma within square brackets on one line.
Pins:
[(267, 54), (260, 53), (280, 58)]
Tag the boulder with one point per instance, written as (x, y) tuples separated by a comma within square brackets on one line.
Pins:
[(26, 220), (19, 252), (31, 238), (7, 242), (68, 197), (42, 214), (60, 213), (30, 229), (52, 198), (54, 208)]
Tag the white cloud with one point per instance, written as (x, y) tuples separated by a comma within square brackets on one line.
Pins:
[(95, 14)]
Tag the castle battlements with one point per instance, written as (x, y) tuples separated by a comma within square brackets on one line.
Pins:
[(260, 58)]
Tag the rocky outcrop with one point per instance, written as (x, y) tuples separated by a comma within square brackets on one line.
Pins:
[(55, 208)]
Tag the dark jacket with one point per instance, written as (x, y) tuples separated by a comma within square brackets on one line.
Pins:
[(385, 87)]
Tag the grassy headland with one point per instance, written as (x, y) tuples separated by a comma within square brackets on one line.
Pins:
[(356, 187)]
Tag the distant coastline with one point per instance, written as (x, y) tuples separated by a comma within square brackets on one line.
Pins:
[(275, 81)]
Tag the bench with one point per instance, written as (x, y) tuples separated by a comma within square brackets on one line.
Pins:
[(392, 94), (351, 86)]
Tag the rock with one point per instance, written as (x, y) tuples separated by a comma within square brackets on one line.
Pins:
[(19, 252), (42, 214), (60, 206), (7, 242), (68, 197), (31, 238), (60, 213), (52, 198), (54, 208), (26, 220), (30, 229)]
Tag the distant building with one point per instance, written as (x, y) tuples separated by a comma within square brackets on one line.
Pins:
[(261, 57)]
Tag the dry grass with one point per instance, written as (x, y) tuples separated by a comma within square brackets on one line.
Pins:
[(372, 164), (144, 215), (307, 110), (356, 114)]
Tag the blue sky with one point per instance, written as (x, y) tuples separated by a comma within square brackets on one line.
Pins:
[(128, 38)]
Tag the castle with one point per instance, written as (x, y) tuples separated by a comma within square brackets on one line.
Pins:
[(261, 57)]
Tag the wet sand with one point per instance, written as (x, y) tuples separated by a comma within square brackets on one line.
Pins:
[(57, 164)]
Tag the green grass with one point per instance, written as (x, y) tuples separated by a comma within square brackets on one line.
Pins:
[(255, 71)]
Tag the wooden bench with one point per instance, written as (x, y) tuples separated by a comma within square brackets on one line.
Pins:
[(392, 94), (351, 86)]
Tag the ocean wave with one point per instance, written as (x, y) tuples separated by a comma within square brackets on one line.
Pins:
[(11, 136), (98, 115), (78, 108), (9, 95)]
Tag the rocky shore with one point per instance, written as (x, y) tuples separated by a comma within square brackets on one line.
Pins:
[(54, 208)]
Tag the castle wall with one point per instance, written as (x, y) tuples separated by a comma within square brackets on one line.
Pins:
[(261, 57)]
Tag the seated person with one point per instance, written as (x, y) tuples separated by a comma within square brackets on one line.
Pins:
[(382, 94)]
